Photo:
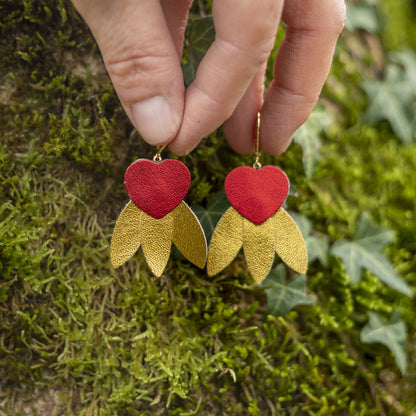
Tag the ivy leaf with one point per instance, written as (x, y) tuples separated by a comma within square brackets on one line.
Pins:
[(365, 252), (200, 33), (392, 334), (308, 137), (407, 60), (391, 100), (209, 218), (361, 16), (316, 246), (283, 297)]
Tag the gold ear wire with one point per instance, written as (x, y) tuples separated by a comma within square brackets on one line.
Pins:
[(257, 164), (158, 156)]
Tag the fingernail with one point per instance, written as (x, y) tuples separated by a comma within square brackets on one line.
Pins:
[(155, 120)]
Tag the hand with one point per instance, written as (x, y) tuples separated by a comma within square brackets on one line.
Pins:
[(141, 42)]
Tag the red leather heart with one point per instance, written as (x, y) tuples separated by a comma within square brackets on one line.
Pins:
[(256, 193), (157, 187)]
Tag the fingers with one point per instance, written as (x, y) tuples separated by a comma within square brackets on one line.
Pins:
[(240, 128), (142, 59), (301, 68), (141, 42), (176, 16), (245, 34)]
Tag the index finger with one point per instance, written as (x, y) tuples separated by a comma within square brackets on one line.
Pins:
[(245, 36)]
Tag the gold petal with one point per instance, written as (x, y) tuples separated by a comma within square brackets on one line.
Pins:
[(188, 235), (126, 235), (226, 241), (290, 245), (156, 235), (259, 246)]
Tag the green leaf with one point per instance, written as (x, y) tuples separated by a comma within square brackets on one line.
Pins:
[(391, 100), (407, 60), (200, 33), (308, 137), (316, 246), (283, 297), (365, 252), (209, 218), (361, 16), (392, 334)]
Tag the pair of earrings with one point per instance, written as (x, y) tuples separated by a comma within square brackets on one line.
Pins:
[(156, 216)]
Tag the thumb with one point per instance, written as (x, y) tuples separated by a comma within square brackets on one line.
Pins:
[(142, 62)]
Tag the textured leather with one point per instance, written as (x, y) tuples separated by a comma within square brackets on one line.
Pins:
[(157, 187), (278, 234), (226, 241), (126, 235), (259, 247), (188, 235), (256, 193), (290, 245), (134, 228), (156, 236)]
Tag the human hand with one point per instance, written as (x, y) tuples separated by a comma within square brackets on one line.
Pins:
[(141, 42)]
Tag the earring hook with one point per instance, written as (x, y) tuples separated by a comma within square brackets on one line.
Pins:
[(257, 164), (158, 156)]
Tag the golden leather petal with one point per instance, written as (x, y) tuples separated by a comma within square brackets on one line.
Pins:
[(126, 235), (259, 247), (226, 241), (156, 235), (290, 245), (188, 235)]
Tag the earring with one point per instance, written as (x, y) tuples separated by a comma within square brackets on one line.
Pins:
[(257, 222), (156, 216)]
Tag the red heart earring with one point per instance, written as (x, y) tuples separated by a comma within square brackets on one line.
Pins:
[(156, 216), (256, 221)]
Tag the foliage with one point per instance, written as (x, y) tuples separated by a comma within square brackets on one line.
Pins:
[(361, 16), (393, 98), (200, 33), (308, 137), (365, 251), (283, 296), (398, 22), (209, 217), (317, 245), (393, 335), (77, 338)]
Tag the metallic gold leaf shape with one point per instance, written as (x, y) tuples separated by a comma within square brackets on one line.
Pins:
[(259, 247), (226, 241), (188, 235), (126, 235), (156, 235), (290, 245)]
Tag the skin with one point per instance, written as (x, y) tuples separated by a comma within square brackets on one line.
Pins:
[(141, 42)]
